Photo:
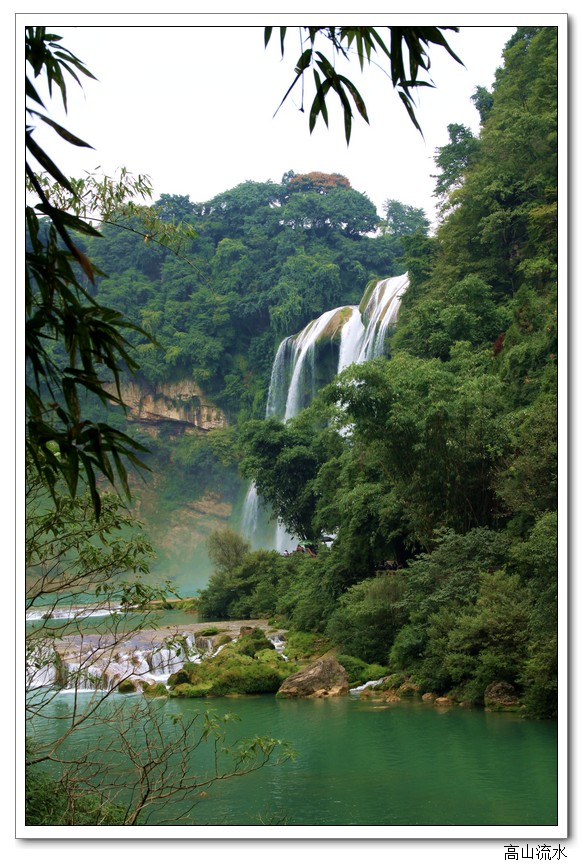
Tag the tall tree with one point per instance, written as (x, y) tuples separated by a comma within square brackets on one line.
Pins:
[(403, 219), (453, 160)]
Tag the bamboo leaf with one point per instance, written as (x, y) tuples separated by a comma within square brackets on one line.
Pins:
[(64, 133), (46, 162)]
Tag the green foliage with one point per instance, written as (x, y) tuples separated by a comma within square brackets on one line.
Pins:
[(368, 616), (303, 646), (226, 549), (155, 690), (504, 216), (283, 459), (62, 443), (444, 583), (483, 100), (402, 220), (358, 671), (539, 677), (488, 641), (243, 584), (464, 312), (250, 666), (56, 802), (432, 436), (453, 160), (406, 58), (528, 481)]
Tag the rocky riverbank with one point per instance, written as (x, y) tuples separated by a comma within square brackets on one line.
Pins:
[(206, 659)]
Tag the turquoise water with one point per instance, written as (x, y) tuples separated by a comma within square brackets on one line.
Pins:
[(373, 764)]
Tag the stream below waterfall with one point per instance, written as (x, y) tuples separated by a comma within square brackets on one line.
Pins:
[(361, 763)]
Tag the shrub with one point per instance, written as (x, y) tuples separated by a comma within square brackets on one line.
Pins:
[(359, 671), (188, 690), (304, 646), (156, 689), (51, 802)]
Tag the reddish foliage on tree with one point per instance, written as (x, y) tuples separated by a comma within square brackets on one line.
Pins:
[(499, 344), (317, 181)]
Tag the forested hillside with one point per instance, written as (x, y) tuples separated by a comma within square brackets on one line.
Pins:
[(267, 258), (258, 262), (441, 460)]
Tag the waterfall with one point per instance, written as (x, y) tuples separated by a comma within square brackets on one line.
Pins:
[(296, 374), (302, 387), (276, 403), (99, 662), (351, 339), (278, 385), (380, 312), (250, 512)]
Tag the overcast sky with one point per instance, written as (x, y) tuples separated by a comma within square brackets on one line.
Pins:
[(193, 107)]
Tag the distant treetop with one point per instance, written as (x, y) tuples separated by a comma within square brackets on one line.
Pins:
[(315, 181)]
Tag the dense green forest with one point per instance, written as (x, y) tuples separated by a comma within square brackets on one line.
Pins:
[(440, 457), (267, 258), (450, 466)]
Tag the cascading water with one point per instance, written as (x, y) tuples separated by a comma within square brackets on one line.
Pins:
[(351, 339), (380, 313), (100, 662), (250, 512), (296, 375), (302, 387)]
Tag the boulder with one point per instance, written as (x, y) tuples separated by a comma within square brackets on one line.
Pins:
[(408, 689), (500, 696), (392, 696), (324, 677)]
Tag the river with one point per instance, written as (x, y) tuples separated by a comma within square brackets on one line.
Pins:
[(362, 763)]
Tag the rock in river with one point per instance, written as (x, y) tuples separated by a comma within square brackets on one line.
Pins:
[(324, 677)]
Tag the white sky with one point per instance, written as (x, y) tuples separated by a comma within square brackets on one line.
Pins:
[(193, 107)]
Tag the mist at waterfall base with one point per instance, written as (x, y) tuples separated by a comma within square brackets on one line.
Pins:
[(306, 362)]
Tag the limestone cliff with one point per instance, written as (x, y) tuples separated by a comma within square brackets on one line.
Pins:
[(182, 402)]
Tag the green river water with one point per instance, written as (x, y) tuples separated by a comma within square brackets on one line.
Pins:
[(374, 764)]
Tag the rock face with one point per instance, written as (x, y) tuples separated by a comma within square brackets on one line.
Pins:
[(182, 402), (324, 677)]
